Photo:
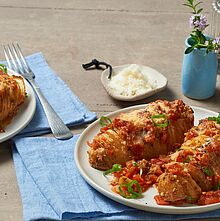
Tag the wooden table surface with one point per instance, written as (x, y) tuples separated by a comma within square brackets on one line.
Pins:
[(73, 32)]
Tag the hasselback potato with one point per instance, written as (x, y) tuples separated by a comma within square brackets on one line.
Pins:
[(12, 95), (144, 133), (195, 168)]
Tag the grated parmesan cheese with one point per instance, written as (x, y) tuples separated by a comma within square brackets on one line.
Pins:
[(130, 82)]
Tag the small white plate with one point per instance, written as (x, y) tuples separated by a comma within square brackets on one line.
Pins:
[(24, 114), (96, 179), (153, 76)]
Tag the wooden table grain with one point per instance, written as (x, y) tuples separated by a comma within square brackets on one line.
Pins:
[(73, 32)]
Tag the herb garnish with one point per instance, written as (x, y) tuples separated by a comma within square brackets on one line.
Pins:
[(104, 121), (131, 193), (3, 69), (115, 168), (207, 171), (165, 124), (134, 164), (187, 160), (217, 119), (216, 187)]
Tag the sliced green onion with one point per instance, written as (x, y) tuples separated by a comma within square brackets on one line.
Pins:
[(165, 124), (212, 118), (207, 171), (134, 164), (162, 125), (3, 68), (132, 194), (158, 116), (115, 168), (216, 187), (187, 160), (104, 121), (131, 190), (121, 191), (217, 119)]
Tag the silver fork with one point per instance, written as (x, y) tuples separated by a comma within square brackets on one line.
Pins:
[(17, 62)]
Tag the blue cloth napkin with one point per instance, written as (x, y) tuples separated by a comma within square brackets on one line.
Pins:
[(52, 188), (70, 109)]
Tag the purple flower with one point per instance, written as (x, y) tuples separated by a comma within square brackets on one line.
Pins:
[(216, 44), (216, 40), (198, 22)]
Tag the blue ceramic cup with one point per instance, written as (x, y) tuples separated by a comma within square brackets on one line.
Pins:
[(199, 73)]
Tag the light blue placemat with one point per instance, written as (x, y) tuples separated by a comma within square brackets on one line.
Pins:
[(68, 106), (52, 188)]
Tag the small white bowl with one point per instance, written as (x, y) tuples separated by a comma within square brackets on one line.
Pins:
[(153, 76)]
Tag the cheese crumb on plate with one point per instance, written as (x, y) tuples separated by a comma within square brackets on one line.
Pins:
[(133, 82)]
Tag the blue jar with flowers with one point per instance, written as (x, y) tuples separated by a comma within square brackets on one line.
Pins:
[(200, 61)]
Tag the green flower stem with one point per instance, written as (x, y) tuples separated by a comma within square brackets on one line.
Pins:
[(202, 45), (193, 5)]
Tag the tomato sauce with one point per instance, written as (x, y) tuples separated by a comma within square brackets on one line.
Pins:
[(209, 198), (160, 201)]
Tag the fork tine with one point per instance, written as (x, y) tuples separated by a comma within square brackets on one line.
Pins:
[(12, 59), (7, 58), (21, 67), (23, 58)]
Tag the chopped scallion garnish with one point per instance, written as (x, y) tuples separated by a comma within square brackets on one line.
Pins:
[(115, 168), (187, 160), (134, 164), (3, 69), (207, 171), (132, 194), (217, 119), (165, 124), (216, 187), (104, 121)]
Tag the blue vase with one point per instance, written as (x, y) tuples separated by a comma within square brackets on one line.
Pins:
[(199, 73)]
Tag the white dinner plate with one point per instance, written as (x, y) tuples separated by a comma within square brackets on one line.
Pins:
[(24, 115), (96, 179)]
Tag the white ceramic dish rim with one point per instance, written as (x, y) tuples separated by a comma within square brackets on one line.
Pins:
[(160, 78), (24, 115), (134, 203)]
